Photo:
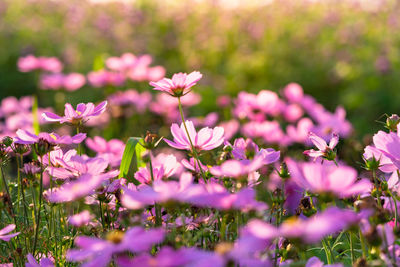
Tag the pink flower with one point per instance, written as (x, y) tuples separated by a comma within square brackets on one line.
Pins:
[(205, 139), (31, 63), (44, 262), (99, 252), (327, 178), (69, 82), (27, 138), (4, 233), (324, 150), (104, 78), (179, 85), (293, 92), (80, 219), (161, 170), (82, 113), (111, 151)]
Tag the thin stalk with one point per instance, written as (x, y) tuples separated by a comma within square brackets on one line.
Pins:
[(349, 235), (377, 189), (101, 213), (39, 208), (362, 242), (190, 140), (11, 204), (327, 251), (395, 208), (156, 206)]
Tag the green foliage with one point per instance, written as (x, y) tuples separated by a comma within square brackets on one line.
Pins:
[(132, 159)]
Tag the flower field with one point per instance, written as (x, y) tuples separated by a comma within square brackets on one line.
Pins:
[(127, 161)]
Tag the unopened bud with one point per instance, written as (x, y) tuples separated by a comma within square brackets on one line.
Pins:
[(391, 122)]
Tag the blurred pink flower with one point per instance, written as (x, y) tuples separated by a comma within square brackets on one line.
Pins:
[(103, 78), (80, 219), (293, 92), (57, 81), (31, 63), (327, 178), (4, 233)]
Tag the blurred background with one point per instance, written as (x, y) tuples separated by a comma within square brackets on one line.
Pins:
[(341, 52)]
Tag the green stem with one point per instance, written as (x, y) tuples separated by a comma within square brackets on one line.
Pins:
[(39, 207), (190, 140), (362, 243), (327, 251), (349, 235)]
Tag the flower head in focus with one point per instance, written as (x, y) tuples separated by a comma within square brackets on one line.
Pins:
[(179, 85), (82, 113), (205, 139)]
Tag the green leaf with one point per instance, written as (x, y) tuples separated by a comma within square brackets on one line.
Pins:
[(132, 159), (36, 126)]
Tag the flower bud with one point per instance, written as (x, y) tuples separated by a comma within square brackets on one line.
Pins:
[(284, 171), (372, 164), (20, 149), (43, 147), (7, 141), (391, 122), (151, 140)]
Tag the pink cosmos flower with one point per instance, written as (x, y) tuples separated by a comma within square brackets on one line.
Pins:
[(69, 82), (44, 262), (162, 169), (205, 139), (293, 92), (103, 78), (324, 150), (320, 178), (4, 233), (99, 252), (80, 219), (111, 151), (31, 63), (179, 85), (240, 168), (131, 97), (27, 138), (82, 113)]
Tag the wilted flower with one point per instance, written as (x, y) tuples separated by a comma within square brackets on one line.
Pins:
[(179, 85), (82, 113)]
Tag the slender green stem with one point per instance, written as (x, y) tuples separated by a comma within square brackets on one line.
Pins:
[(39, 207), (327, 251), (350, 236), (190, 140), (377, 188), (362, 243)]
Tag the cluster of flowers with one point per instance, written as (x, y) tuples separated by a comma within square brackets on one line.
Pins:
[(223, 201)]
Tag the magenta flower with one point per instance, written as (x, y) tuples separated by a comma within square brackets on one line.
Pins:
[(44, 262), (27, 138), (98, 252), (179, 85), (327, 178), (324, 150), (4, 233), (82, 113), (205, 139)]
